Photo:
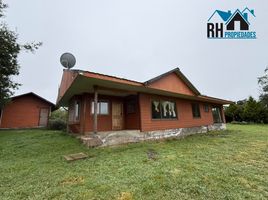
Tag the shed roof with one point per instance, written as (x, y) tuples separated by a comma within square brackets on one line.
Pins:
[(53, 107)]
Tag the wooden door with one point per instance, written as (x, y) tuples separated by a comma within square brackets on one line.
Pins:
[(117, 116), (43, 118)]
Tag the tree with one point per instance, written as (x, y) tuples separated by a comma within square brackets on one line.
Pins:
[(251, 110), (248, 110), (60, 114), (263, 82), (9, 50), (235, 112)]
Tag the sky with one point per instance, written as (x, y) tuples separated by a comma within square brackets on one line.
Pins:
[(138, 40)]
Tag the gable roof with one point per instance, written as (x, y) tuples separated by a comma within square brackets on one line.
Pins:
[(237, 12), (250, 11), (179, 74), (53, 107), (85, 81), (224, 15)]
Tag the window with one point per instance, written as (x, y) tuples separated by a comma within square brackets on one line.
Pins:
[(102, 108), (130, 107), (206, 108), (196, 110), (164, 110), (216, 112), (76, 110)]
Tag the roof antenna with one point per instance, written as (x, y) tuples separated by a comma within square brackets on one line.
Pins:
[(67, 60)]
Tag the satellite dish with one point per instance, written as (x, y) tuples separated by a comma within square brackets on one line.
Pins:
[(67, 60)]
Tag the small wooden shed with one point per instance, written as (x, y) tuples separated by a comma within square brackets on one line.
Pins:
[(26, 111)]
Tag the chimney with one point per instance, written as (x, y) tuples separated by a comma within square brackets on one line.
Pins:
[(229, 12), (245, 16), (252, 11)]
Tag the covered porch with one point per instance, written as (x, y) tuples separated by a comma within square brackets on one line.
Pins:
[(104, 110)]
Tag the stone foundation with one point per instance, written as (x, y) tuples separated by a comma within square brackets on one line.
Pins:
[(129, 136)]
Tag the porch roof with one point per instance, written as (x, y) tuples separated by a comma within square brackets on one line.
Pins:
[(84, 82)]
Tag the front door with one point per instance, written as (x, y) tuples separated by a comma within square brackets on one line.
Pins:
[(117, 116), (43, 118)]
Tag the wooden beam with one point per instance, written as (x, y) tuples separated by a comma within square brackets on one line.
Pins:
[(95, 120), (116, 91)]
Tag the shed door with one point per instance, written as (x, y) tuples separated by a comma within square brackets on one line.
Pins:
[(43, 119), (117, 115)]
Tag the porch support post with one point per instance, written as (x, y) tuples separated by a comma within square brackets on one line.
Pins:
[(95, 121)]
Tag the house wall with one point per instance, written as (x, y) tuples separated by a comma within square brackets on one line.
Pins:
[(184, 112), (85, 123), (141, 119), (177, 86), (22, 112), (67, 79)]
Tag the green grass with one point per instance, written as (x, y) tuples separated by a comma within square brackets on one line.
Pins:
[(231, 164)]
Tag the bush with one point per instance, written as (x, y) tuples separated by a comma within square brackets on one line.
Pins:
[(241, 123), (59, 114), (57, 124)]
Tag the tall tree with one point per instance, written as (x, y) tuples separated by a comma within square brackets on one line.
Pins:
[(263, 82), (251, 110), (9, 50)]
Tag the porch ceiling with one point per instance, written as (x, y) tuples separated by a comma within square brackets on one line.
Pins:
[(83, 84)]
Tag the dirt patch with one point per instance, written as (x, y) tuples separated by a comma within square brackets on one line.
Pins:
[(152, 154)]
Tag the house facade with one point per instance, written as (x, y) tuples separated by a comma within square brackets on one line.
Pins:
[(26, 111), (106, 105)]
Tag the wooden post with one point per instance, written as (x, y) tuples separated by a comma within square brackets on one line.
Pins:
[(84, 113), (67, 120), (95, 121)]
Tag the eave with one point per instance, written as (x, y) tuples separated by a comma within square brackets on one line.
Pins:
[(83, 83)]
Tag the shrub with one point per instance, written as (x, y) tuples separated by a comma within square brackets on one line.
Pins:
[(57, 124), (241, 123)]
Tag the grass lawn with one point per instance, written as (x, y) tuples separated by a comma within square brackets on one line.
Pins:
[(231, 164)]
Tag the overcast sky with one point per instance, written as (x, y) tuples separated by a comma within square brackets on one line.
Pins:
[(138, 40)]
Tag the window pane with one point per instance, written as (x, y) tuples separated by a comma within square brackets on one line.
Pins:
[(71, 113), (77, 110), (195, 110), (172, 110), (206, 108), (168, 110), (104, 108), (130, 107), (156, 112), (92, 108), (164, 110), (216, 112)]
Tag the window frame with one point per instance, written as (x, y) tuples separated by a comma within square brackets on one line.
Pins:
[(193, 114), (131, 107), (76, 115), (219, 112), (161, 117), (99, 107), (206, 108)]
